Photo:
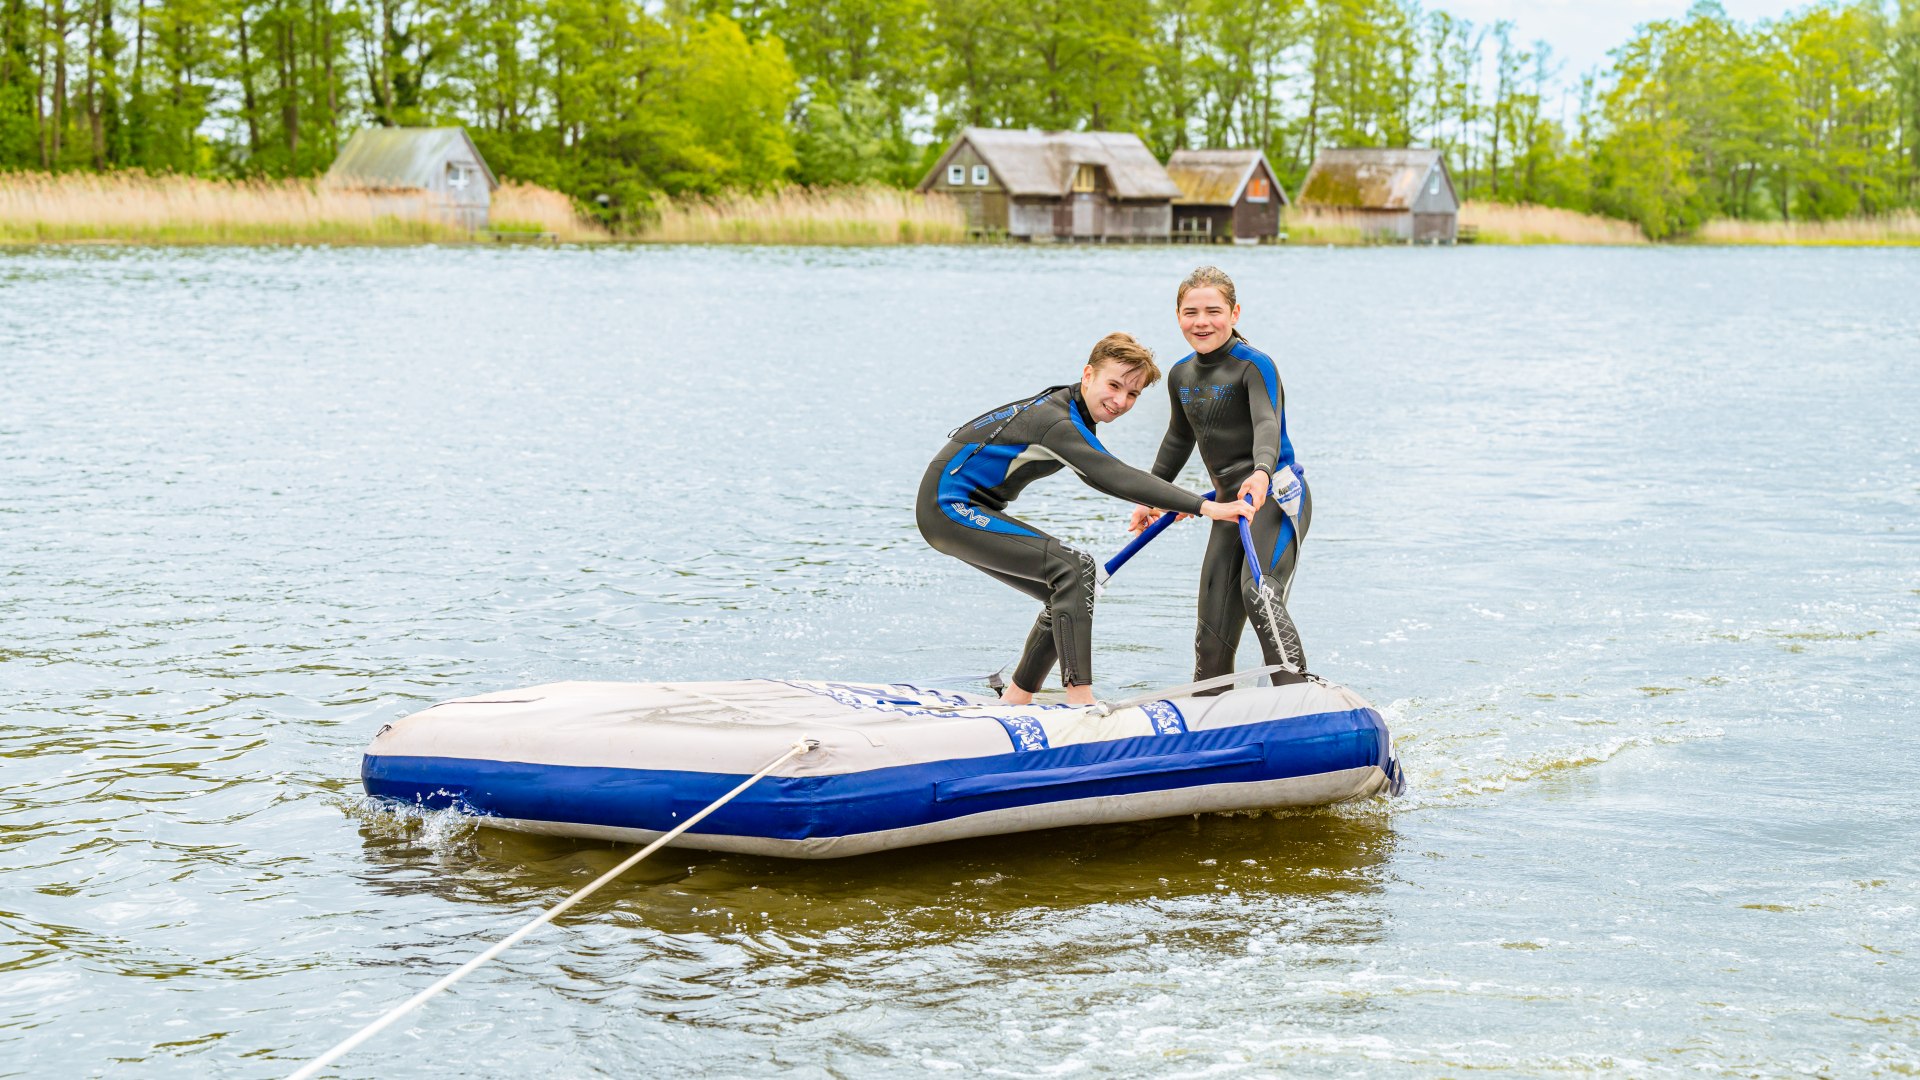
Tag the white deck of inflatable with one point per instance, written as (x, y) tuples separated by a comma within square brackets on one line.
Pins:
[(739, 726)]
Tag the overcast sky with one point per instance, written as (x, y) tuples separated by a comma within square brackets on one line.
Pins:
[(1581, 31)]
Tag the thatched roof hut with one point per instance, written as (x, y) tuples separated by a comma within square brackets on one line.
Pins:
[(1225, 195), (438, 168), (1404, 193), (1089, 185)]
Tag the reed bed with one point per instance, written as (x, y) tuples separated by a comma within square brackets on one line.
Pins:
[(1901, 228), (1525, 223), (1492, 223), (850, 215), (136, 208), (1320, 225), (530, 208)]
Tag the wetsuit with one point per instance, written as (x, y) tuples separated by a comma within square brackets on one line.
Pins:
[(1229, 402), (987, 462)]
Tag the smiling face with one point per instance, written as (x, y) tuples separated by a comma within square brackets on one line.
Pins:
[(1207, 318), (1110, 389)]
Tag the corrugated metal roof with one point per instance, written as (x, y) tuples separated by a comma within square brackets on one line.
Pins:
[(1215, 177), (1043, 162), (1367, 179), (402, 157)]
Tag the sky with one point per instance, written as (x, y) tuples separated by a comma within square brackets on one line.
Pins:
[(1581, 31)]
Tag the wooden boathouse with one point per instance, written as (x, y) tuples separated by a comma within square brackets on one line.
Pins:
[(1056, 185), (1225, 195), (419, 172), (1399, 194)]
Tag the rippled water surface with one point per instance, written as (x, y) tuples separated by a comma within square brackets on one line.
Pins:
[(1624, 543)]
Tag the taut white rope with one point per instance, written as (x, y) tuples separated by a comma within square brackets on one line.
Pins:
[(312, 1068)]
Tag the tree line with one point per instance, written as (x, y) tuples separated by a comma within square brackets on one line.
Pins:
[(1813, 115)]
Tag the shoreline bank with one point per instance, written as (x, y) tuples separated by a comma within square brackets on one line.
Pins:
[(131, 209)]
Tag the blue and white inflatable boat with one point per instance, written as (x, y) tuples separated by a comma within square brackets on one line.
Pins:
[(892, 765)]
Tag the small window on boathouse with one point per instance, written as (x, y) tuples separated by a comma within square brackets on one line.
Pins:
[(956, 174), (980, 175), (457, 175), (1258, 190), (1084, 178), (1433, 185)]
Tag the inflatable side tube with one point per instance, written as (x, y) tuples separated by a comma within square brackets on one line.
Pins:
[(1000, 782)]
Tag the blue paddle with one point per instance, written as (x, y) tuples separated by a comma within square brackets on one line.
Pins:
[(1246, 545), (1281, 629), (1146, 537), (1119, 560)]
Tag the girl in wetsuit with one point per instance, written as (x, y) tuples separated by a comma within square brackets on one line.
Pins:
[(1227, 400), (988, 461)]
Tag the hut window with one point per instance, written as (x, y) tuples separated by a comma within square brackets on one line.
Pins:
[(1258, 190), (457, 175), (1084, 178), (1433, 185), (980, 175), (956, 174)]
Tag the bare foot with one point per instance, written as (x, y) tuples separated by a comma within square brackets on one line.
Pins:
[(1081, 694), (1013, 695)]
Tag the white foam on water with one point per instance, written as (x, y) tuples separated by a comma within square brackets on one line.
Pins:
[(445, 830)]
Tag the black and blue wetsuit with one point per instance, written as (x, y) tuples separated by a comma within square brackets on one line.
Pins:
[(1230, 404), (962, 506)]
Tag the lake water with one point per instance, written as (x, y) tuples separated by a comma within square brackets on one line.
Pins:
[(1624, 543)]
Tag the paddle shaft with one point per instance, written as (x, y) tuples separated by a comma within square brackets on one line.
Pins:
[(1160, 524), (1146, 536), (1253, 557)]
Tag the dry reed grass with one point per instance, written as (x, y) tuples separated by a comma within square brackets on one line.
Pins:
[(1525, 223), (851, 215), (1321, 225), (1900, 228), (131, 207), (1494, 223), (530, 208)]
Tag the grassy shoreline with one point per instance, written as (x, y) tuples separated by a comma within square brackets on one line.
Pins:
[(135, 209)]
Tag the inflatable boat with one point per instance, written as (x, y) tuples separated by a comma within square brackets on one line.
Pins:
[(884, 766)]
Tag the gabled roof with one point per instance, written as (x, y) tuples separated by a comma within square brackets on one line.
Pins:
[(1215, 177), (1369, 179), (402, 157), (1043, 162)]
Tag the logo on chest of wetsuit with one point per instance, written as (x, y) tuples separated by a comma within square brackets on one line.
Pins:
[(1205, 405), (1215, 392)]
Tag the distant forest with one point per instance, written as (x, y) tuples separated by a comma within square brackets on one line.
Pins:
[(1814, 115)]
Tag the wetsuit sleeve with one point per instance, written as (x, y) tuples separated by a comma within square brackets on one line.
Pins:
[(1263, 408), (1177, 446), (1103, 472)]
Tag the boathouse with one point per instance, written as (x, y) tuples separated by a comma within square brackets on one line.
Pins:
[(1225, 195), (1399, 194), (1056, 185), (419, 171)]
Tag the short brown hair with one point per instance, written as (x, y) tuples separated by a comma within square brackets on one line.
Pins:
[(1122, 349), (1204, 276)]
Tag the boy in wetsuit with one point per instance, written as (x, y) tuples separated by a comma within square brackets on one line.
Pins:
[(988, 461), (1227, 400)]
